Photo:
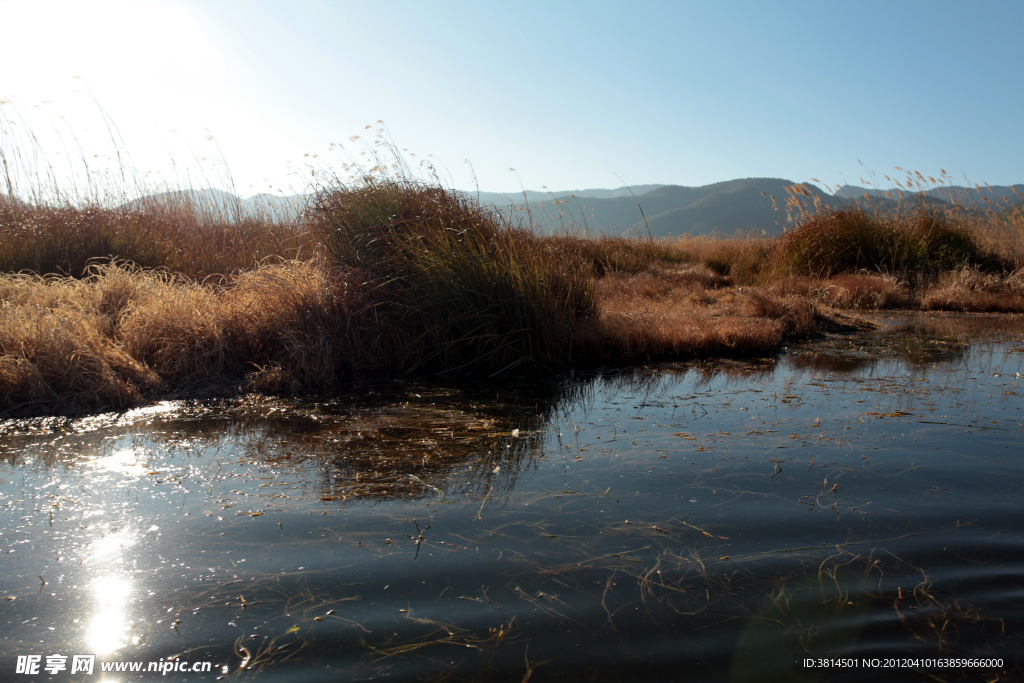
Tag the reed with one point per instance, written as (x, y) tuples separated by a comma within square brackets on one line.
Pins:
[(848, 240), (65, 237), (473, 291)]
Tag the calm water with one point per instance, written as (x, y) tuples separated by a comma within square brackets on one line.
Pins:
[(702, 522)]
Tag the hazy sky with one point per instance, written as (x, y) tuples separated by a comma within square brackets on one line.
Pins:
[(571, 95)]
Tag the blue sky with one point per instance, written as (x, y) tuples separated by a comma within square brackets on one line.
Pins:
[(570, 95)]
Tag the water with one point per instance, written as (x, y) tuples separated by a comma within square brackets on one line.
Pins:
[(857, 495)]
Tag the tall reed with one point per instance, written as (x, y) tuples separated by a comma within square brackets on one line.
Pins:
[(475, 291), (175, 235)]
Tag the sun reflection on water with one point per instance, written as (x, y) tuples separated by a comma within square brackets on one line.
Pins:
[(124, 461), (107, 630)]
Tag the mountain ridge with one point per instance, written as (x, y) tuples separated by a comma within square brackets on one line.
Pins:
[(744, 204)]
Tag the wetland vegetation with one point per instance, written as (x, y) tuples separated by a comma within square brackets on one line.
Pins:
[(109, 302), (310, 468), (856, 495)]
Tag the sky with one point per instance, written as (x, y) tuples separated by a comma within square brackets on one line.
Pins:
[(257, 95)]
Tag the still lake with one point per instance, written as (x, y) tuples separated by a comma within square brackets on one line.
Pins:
[(857, 495)]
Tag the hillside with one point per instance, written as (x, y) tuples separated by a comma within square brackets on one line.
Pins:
[(502, 199), (743, 204), (671, 210), (998, 196)]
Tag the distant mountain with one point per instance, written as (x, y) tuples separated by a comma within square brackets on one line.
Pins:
[(996, 196), (289, 207), (733, 205), (671, 210), (501, 199)]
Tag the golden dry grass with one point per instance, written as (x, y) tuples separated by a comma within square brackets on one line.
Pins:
[(693, 312), (971, 290), (175, 235), (961, 259), (602, 254), (740, 256), (56, 350), (864, 291), (121, 333)]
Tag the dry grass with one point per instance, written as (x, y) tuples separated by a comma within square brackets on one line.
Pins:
[(175, 235), (392, 274), (864, 291), (693, 313), (967, 290), (472, 291), (56, 352), (1002, 234), (121, 333), (971, 290), (961, 259), (741, 257), (848, 240), (606, 253)]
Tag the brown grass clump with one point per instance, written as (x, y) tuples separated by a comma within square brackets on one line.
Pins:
[(120, 334), (688, 314), (971, 290), (848, 240), (606, 253), (472, 291), (1001, 234), (178, 330), (863, 291), (174, 235), (56, 354), (741, 257), (315, 322)]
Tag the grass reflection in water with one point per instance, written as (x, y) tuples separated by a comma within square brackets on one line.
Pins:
[(854, 495)]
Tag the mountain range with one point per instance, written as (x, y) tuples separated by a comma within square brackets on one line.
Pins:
[(749, 204)]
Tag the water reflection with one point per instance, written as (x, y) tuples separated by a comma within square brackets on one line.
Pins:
[(927, 342), (124, 461), (107, 631), (613, 524)]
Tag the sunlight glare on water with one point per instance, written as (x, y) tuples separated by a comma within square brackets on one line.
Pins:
[(107, 630)]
